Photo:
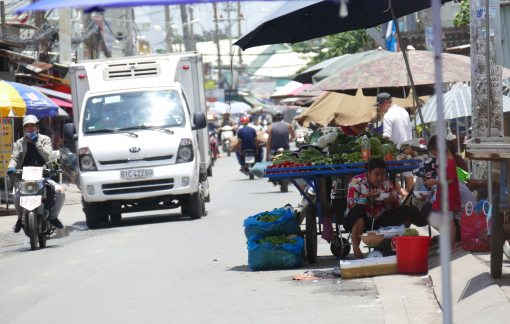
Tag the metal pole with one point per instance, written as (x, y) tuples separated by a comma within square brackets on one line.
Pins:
[(488, 67), (2, 13), (467, 139), (444, 229), (3, 161), (458, 135), (415, 94), (217, 39)]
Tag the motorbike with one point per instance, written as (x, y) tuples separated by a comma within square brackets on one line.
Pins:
[(213, 143), (32, 184), (249, 162), (226, 133), (300, 139), (283, 183)]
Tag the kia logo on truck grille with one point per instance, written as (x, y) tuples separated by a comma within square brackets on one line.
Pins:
[(134, 149)]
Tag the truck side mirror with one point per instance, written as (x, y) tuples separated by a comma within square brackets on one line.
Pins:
[(199, 121), (70, 132)]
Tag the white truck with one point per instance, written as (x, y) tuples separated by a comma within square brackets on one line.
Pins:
[(139, 132)]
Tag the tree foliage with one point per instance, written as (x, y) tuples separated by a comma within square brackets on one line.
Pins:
[(462, 17), (350, 42)]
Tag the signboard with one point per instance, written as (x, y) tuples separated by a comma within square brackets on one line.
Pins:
[(64, 34), (6, 145), (213, 95)]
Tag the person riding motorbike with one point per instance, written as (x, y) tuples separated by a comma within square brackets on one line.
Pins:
[(248, 141), (34, 149), (279, 133), (264, 117)]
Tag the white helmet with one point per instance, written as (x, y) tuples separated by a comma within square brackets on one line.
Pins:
[(30, 119)]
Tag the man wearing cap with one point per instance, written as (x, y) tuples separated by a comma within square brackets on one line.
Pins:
[(396, 126)]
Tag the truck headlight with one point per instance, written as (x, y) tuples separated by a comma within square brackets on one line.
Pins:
[(86, 160), (185, 153)]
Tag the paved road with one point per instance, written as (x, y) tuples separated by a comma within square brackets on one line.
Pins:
[(161, 267)]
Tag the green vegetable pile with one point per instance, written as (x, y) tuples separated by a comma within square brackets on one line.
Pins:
[(268, 218), (314, 137), (277, 240), (411, 232)]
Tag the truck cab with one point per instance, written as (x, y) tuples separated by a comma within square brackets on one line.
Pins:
[(139, 134)]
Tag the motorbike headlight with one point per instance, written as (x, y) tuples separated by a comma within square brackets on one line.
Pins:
[(86, 160), (185, 153)]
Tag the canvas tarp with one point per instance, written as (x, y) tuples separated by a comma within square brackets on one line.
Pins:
[(335, 109)]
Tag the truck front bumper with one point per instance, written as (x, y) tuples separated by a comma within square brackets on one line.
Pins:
[(98, 186)]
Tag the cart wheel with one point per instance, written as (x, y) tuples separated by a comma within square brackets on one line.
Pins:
[(506, 249), (343, 251), (284, 185), (496, 239), (311, 234)]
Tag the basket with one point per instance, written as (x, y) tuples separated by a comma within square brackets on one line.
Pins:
[(473, 229)]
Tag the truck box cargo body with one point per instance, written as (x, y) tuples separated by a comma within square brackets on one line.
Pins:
[(139, 131)]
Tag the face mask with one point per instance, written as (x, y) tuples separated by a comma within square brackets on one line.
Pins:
[(31, 134)]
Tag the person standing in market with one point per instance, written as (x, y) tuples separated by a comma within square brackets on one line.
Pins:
[(396, 126), (279, 133)]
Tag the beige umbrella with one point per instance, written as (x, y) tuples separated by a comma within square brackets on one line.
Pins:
[(335, 109)]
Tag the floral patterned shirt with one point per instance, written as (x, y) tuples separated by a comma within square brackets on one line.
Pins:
[(359, 188)]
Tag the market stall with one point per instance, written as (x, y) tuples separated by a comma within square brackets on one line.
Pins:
[(311, 165)]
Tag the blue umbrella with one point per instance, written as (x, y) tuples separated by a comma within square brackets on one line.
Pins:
[(101, 5)]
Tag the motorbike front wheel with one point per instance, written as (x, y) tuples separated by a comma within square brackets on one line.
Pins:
[(284, 185), (42, 240), (32, 230)]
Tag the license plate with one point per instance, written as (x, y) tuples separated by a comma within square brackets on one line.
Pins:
[(133, 174), (30, 202), (250, 159)]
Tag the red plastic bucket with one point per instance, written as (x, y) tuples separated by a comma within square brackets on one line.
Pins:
[(412, 253)]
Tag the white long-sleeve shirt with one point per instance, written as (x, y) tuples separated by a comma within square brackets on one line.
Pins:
[(397, 125)]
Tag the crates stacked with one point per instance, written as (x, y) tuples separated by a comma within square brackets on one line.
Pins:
[(272, 240)]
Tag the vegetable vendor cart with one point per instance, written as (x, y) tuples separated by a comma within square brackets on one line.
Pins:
[(496, 149), (315, 177)]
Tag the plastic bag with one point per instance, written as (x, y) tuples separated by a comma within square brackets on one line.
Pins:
[(286, 225), (267, 256), (259, 169)]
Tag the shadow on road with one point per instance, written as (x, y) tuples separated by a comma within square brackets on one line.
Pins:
[(143, 220)]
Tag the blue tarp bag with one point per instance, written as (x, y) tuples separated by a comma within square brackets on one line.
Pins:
[(286, 225), (267, 256), (259, 169)]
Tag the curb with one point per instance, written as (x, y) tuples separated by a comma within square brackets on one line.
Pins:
[(476, 297)]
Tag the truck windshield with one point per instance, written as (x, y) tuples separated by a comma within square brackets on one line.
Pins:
[(140, 109)]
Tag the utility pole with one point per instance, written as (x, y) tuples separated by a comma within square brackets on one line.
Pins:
[(193, 40), (229, 26), (2, 13), (239, 16), (39, 23), (185, 28), (486, 66), (168, 28), (217, 38), (129, 49)]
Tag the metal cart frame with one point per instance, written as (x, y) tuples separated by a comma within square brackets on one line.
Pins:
[(496, 149), (319, 204)]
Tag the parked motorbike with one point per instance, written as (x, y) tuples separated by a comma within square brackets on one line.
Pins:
[(32, 185), (249, 162), (283, 183), (213, 143), (226, 133)]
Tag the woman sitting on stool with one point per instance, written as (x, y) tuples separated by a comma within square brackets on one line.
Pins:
[(363, 208)]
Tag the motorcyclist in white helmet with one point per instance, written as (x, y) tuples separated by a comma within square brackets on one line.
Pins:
[(34, 149)]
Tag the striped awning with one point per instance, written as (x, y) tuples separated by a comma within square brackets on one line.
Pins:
[(457, 104)]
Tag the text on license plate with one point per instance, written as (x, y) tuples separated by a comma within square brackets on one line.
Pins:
[(250, 159), (30, 202), (143, 173)]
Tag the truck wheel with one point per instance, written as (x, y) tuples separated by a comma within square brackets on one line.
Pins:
[(91, 214), (496, 239), (195, 205), (116, 217), (32, 230)]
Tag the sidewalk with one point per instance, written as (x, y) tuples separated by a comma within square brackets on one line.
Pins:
[(476, 296)]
